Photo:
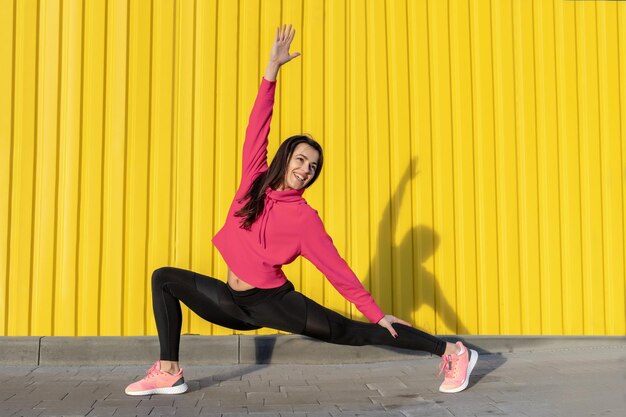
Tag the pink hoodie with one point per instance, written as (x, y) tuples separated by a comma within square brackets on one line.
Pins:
[(288, 226)]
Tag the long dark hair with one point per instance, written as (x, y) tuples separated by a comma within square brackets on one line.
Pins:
[(274, 177)]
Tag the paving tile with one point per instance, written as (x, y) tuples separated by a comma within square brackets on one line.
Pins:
[(29, 412), (472, 409), (40, 394), (289, 382), (396, 402), (427, 410), (352, 395), (20, 403), (262, 388), (187, 411), (209, 413), (7, 393), (403, 392), (65, 411), (361, 406), (158, 400), (264, 414), (182, 401), (62, 404), (296, 398), (269, 408), (101, 411), (361, 413), (386, 385), (163, 410), (347, 386), (207, 402), (124, 402), (229, 409), (253, 396), (320, 414), (300, 388), (314, 408), (506, 414), (132, 411), (235, 414), (8, 411)]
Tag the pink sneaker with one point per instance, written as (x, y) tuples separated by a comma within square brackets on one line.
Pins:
[(158, 382), (458, 369)]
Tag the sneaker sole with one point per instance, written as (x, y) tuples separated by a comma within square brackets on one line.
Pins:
[(179, 389), (470, 367)]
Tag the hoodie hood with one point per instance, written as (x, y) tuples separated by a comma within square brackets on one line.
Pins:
[(271, 197)]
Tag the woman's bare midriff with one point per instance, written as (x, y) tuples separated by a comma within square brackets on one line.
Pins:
[(236, 284)]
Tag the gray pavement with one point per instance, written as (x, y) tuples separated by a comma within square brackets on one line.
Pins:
[(570, 381)]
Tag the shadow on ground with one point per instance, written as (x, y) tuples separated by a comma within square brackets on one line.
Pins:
[(264, 347)]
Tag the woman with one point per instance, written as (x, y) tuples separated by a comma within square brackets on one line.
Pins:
[(268, 225)]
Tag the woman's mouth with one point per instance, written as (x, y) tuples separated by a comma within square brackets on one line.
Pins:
[(299, 178)]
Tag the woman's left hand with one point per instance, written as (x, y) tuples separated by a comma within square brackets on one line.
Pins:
[(387, 322), (282, 42), (280, 51)]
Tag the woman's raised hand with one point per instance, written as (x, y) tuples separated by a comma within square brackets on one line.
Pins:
[(280, 51), (282, 42)]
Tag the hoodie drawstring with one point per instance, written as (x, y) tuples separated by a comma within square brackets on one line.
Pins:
[(269, 203)]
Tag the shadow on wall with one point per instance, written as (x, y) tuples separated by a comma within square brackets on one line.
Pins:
[(427, 241)]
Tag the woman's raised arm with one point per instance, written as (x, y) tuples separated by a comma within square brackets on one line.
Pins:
[(255, 145)]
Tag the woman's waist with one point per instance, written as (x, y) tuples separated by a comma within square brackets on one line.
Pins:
[(238, 284), (252, 296)]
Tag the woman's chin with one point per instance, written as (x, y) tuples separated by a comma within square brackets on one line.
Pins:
[(294, 186)]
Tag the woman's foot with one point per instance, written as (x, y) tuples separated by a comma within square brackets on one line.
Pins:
[(458, 368), (158, 382)]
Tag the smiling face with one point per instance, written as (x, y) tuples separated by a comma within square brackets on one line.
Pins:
[(301, 167)]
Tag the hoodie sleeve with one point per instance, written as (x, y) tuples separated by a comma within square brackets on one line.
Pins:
[(255, 144), (317, 246)]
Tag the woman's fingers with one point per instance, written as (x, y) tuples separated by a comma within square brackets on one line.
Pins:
[(282, 43), (393, 332), (285, 33), (403, 322), (384, 322), (387, 322)]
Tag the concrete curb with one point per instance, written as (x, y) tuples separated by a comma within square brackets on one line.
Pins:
[(251, 349)]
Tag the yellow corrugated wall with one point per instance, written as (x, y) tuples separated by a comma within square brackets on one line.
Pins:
[(475, 152)]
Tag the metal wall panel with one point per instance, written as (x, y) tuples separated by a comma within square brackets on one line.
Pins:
[(475, 157)]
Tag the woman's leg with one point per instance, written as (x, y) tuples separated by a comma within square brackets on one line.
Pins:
[(344, 331), (293, 312), (206, 296)]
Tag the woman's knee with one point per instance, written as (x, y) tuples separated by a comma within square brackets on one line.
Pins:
[(159, 274), (166, 274)]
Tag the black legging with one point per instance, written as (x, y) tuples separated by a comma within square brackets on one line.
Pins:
[(280, 308)]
